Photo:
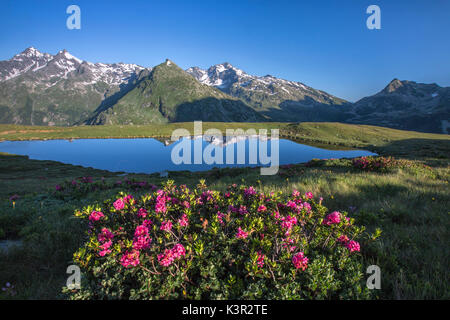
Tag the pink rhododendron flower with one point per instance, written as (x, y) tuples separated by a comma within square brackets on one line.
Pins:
[(295, 194), (207, 196), (309, 195), (96, 215), (130, 259), (140, 231), (291, 204), (287, 244), (186, 204), (288, 222), (119, 204), (142, 213), (184, 221), (250, 191), (332, 218), (165, 259), (147, 223), (262, 208), (276, 214), (166, 226), (300, 261), (105, 235), (161, 199), (260, 259), (106, 245), (220, 217), (243, 210), (353, 246), (178, 251), (306, 206), (343, 239), (241, 234), (160, 207), (103, 253), (105, 248), (141, 242)]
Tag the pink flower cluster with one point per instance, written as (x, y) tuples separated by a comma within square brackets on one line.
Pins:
[(351, 245), (166, 226), (309, 195), (170, 255), (300, 261), (95, 216), (119, 204), (105, 239), (297, 205), (161, 199), (141, 238), (262, 208), (288, 222), (130, 259), (241, 234), (183, 221), (142, 213), (250, 191), (260, 259), (220, 217), (206, 196), (105, 234), (332, 218), (288, 244)]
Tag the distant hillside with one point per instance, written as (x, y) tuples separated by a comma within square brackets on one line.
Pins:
[(406, 105), (169, 94)]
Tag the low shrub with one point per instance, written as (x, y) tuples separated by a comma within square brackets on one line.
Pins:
[(384, 164), (373, 163), (177, 243)]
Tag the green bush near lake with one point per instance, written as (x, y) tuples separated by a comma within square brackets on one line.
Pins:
[(177, 243)]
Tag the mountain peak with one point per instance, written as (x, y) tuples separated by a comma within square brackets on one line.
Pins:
[(394, 85), (65, 54), (31, 52)]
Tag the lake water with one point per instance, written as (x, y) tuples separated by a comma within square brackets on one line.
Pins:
[(151, 155)]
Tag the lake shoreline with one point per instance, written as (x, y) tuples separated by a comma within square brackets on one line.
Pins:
[(150, 155)]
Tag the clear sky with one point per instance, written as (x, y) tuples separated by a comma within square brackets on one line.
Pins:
[(324, 44)]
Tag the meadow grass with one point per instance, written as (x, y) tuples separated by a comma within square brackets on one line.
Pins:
[(410, 205)]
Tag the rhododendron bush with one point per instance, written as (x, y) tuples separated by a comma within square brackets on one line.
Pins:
[(177, 243)]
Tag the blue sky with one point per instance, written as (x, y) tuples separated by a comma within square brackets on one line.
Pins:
[(324, 44)]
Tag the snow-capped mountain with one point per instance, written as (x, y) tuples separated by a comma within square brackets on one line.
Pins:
[(60, 89), (64, 65), (39, 88), (28, 60), (261, 92)]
